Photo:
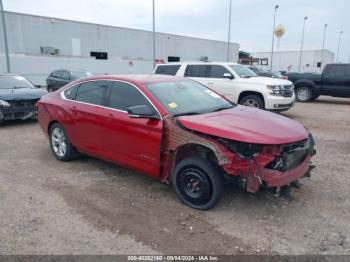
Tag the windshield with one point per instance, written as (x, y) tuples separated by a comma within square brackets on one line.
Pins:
[(243, 71), (187, 97), (80, 74), (9, 82)]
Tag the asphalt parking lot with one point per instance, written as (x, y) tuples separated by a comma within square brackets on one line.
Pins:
[(88, 206)]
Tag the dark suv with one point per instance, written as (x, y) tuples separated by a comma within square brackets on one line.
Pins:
[(61, 77)]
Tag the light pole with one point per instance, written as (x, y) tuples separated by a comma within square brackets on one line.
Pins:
[(229, 33), (5, 38), (154, 34), (302, 42), (324, 38), (340, 33), (273, 35)]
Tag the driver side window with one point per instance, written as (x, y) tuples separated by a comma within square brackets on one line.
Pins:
[(123, 95)]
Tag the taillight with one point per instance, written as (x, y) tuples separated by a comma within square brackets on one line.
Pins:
[(285, 77)]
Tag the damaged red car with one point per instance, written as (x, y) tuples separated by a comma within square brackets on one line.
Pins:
[(177, 131)]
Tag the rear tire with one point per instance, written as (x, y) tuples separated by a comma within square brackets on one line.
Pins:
[(197, 183), (254, 101), (303, 94), (60, 143)]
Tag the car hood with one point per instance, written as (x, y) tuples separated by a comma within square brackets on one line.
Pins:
[(266, 81), (21, 94), (247, 125)]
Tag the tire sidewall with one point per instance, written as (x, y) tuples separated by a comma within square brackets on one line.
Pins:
[(258, 100), (303, 89), (211, 174), (69, 152)]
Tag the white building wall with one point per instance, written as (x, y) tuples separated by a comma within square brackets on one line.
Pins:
[(289, 60), (27, 33)]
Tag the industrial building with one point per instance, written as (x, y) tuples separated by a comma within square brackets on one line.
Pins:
[(38, 45), (289, 60)]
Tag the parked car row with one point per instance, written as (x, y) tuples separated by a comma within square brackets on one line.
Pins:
[(181, 125)]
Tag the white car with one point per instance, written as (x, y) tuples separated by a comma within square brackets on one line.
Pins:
[(236, 82)]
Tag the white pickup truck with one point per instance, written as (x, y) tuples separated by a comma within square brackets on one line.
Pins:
[(236, 82)]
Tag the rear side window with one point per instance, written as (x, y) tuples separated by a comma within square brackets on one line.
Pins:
[(339, 71), (124, 95), (92, 92), (167, 70), (70, 93), (197, 71), (217, 71)]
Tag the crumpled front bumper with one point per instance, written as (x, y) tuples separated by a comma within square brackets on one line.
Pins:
[(13, 113), (274, 178)]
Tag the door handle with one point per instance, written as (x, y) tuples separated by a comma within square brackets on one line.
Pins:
[(109, 117), (210, 83)]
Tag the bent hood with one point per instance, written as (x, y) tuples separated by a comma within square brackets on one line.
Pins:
[(247, 125), (21, 94)]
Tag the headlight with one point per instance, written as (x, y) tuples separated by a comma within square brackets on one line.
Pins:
[(4, 103), (244, 150), (276, 90)]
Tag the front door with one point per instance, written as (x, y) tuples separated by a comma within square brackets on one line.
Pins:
[(336, 81), (134, 142)]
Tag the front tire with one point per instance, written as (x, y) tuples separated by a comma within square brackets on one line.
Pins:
[(197, 183), (254, 101), (303, 94), (60, 144)]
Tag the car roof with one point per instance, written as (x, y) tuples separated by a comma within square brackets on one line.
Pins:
[(143, 79)]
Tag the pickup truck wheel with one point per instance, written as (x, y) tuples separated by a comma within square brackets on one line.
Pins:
[(303, 94), (253, 101), (197, 183), (60, 144)]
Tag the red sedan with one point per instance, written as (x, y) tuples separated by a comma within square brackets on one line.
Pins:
[(177, 131)]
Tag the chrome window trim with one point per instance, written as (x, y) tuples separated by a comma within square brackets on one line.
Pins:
[(106, 107)]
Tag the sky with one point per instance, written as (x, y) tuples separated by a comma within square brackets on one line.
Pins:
[(251, 24)]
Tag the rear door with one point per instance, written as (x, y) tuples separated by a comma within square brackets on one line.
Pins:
[(87, 113), (336, 80), (134, 142)]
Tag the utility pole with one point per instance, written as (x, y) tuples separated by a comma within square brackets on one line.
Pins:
[(324, 38), (302, 42), (154, 35), (273, 35), (229, 32), (5, 38), (340, 33)]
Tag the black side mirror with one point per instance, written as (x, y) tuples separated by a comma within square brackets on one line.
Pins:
[(228, 75), (143, 111), (38, 86)]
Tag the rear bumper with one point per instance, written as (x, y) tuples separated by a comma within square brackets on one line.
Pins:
[(13, 113)]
